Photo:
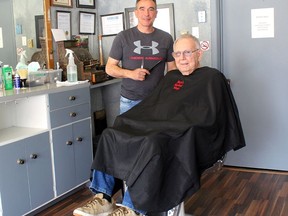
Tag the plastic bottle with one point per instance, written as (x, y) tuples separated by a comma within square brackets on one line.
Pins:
[(17, 82), (71, 67), (7, 77), (21, 67)]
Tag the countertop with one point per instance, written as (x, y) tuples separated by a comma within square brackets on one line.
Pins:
[(14, 94)]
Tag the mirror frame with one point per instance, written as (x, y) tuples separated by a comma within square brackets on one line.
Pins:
[(48, 34)]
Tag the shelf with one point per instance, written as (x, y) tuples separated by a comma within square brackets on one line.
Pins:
[(12, 134)]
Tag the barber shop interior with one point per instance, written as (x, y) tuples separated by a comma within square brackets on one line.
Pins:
[(143, 107)]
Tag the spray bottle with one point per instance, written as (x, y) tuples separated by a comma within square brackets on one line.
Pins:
[(21, 67), (71, 67)]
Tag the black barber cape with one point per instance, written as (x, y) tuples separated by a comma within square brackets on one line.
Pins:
[(161, 146)]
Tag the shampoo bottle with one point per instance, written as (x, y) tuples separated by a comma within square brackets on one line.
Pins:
[(71, 67), (7, 77)]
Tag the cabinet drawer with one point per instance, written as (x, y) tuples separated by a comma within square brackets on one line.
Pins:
[(69, 98), (69, 115)]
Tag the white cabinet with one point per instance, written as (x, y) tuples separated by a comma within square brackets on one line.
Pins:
[(26, 175), (45, 145), (71, 138)]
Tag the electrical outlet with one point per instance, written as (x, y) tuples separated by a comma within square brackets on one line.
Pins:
[(24, 41), (30, 43), (201, 16)]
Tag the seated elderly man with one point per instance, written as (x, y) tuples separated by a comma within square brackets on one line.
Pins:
[(161, 146)]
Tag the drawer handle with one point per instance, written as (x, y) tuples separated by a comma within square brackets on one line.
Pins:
[(73, 114), (69, 143), (79, 139), (72, 98), (20, 161), (33, 156)]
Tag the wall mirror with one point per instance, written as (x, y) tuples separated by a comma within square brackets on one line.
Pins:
[(164, 19), (32, 30)]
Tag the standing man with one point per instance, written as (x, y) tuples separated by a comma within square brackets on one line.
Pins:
[(143, 52)]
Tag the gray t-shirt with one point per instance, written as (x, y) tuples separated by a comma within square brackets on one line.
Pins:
[(130, 47)]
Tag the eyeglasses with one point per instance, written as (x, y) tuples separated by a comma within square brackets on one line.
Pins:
[(186, 53)]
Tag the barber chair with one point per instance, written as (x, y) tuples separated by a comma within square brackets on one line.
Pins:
[(179, 209)]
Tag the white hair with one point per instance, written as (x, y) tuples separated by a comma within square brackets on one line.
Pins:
[(189, 36)]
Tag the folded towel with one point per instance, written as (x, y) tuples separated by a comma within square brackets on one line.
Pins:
[(66, 83)]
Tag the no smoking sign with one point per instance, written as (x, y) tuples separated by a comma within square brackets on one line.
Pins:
[(205, 45)]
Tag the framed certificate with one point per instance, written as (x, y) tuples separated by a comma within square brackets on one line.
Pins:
[(85, 3), (63, 19), (61, 3), (87, 22), (112, 24)]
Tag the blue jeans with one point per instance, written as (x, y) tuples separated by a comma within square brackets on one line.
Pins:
[(126, 104), (104, 183)]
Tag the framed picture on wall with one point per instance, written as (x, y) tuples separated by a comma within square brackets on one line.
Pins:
[(39, 28), (112, 24), (61, 3), (85, 4), (63, 19), (163, 21), (87, 22)]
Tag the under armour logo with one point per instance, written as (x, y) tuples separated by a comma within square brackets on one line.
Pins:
[(178, 85), (139, 47)]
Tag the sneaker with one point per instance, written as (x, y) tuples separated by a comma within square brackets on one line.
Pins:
[(123, 211), (97, 206)]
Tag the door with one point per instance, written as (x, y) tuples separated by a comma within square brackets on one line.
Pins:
[(14, 186), (83, 150), (257, 68), (39, 168), (64, 161)]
